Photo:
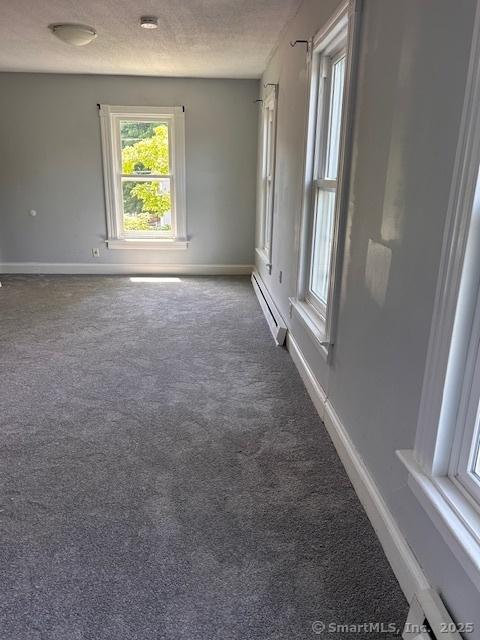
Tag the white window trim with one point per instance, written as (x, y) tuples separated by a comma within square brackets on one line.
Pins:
[(109, 117), (429, 464), (264, 250), (322, 328)]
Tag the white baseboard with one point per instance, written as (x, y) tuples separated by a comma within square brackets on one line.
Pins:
[(400, 556), (127, 269)]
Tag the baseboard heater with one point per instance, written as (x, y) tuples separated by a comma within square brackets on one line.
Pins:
[(270, 311), (428, 619)]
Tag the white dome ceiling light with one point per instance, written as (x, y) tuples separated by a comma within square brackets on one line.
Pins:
[(149, 22), (76, 34)]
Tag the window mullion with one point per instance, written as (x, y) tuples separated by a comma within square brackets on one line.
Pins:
[(146, 178), (328, 185)]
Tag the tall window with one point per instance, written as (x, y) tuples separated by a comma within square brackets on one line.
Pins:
[(268, 174), (144, 167), (444, 466), (332, 57), (462, 382), (327, 146)]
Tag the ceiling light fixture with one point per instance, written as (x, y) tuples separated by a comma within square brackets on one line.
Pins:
[(76, 34), (149, 22)]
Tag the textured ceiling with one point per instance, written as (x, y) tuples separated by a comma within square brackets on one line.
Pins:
[(205, 38)]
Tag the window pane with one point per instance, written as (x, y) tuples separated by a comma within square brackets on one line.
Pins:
[(268, 171), (145, 148), (476, 448), (322, 242), (476, 468), (268, 212), (147, 205), (335, 118), (270, 143)]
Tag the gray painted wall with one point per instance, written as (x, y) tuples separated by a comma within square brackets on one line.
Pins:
[(413, 61), (51, 161)]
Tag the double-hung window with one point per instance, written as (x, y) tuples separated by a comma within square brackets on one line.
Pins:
[(444, 466), (326, 171), (269, 114), (144, 173), (327, 147)]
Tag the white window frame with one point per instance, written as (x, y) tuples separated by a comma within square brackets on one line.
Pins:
[(466, 432), (174, 117), (438, 465), (339, 34), (267, 185)]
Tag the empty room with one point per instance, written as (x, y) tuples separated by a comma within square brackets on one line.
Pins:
[(240, 320)]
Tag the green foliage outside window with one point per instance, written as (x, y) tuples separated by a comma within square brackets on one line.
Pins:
[(144, 151)]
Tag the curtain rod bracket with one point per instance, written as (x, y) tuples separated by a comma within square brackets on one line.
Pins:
[(305, 42)]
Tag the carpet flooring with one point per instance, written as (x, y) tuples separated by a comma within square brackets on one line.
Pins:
[(164, 474)]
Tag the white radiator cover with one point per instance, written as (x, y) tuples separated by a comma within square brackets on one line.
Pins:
[(428, 619), (272, 315)]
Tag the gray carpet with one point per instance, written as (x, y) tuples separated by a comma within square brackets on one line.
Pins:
[(164, 474)]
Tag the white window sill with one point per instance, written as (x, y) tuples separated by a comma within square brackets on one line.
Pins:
[(148, 243), (313, 323), (450, 511)]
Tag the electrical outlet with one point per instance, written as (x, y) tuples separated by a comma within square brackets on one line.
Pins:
[(96, 253)]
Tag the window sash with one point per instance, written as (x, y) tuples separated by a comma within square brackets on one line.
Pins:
[(323, 229), (337, 68), (268, 191), (161, 121), (125, 233), (466, 445)]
